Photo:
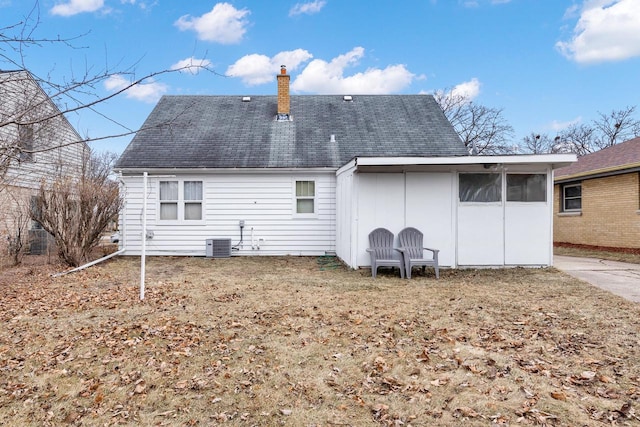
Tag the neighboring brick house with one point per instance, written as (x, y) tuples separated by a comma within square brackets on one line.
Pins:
[(597, 199), (36, 142)]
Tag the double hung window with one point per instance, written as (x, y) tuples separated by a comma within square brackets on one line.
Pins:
[(305, 197), (181, 200)]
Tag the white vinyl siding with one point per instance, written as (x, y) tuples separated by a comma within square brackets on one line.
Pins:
[(264, 201), (58, 149)]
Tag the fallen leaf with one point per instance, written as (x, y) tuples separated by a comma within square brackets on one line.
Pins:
[(559, 395)]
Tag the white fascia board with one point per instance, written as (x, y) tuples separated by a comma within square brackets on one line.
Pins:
[(202, 171), (345, 168), (555, 160)]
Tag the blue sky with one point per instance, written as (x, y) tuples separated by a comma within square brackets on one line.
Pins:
[(545, 63)]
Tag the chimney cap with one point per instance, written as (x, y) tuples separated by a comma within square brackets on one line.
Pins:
[(283, 69)]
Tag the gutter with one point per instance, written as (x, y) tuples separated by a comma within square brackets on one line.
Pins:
[(598, 173)]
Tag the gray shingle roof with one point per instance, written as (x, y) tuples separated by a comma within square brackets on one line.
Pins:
[(225, 132), (618, 157)]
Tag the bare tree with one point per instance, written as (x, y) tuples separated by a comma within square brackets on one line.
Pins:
[(483, 130), (77, 211), (17, 220), (615, 127), (605, 131), (578, 139), (22, 108), (536, 143)]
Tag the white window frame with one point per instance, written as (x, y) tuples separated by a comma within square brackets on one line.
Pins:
[(181, 202), (295, 198), (564, 197)]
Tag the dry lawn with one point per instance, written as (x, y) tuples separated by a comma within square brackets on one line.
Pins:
[(302, 342)]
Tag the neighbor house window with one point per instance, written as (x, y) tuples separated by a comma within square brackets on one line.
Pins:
[(25, 135), (572, 197), (305, 197), (480, 187), (527, 187), (180, 200)]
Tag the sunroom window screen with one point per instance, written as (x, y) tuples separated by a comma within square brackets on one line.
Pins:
[(527, 187), (305, 193), (480, 187)]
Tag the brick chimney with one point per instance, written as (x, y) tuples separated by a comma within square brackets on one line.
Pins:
[(283, 93)]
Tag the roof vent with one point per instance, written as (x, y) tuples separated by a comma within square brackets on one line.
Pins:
[(246, 99), (332, 138), (347, 98)]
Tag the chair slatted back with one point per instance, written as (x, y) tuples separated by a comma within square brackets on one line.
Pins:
[(381, 242), (411, 239)]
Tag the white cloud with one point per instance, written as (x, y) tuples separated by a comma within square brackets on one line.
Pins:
[(191, 65), (558, 126), (224, 24), (148, 92), (467, 90), (307, 8), (73, 7), (606, 31), (328, 77), (323, 77), (259, 69)]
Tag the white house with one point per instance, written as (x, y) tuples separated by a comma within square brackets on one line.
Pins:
[(314, 174), (36, 143)]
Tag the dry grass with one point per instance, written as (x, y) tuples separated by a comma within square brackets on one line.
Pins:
[(282, 341), (598, 253)]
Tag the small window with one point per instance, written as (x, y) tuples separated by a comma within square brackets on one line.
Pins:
[(480, 187), (305, 197), (572, 198), (25, 134), (527, 187), (181, 200)]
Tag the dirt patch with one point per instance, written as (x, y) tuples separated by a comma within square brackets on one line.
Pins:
[(305, 342)]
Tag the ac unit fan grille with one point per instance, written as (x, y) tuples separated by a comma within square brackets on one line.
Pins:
[(218, 248)]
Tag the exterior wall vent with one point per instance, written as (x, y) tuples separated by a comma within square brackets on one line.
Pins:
[(218, 248)]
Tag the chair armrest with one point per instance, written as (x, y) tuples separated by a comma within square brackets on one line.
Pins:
[(401, 250), (435, 251)]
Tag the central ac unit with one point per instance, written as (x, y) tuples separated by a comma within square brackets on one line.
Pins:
[(218, 248)]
